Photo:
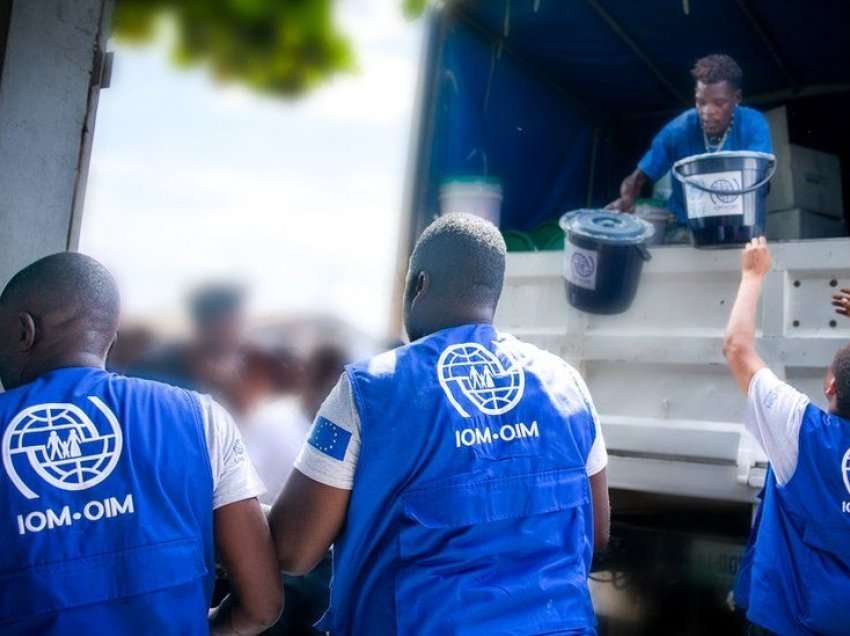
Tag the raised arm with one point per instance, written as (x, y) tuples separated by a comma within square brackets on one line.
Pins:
[(739, 344)]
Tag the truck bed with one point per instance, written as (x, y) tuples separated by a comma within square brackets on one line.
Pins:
[(671, 414)]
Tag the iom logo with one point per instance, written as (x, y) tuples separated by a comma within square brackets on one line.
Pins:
[(62, 446), (472, 375), (583, 265), (724, 185)]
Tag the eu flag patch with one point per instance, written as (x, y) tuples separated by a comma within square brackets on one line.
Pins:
[(330, 439)]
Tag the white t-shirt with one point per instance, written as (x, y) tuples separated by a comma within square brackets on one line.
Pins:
[(274, 434), (234, 477), (340, 409), (774, 415)]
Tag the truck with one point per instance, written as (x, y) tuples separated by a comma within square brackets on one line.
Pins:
[(556, 101)]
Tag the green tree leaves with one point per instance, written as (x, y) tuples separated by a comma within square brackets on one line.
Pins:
[(281, 47), (414, 8)]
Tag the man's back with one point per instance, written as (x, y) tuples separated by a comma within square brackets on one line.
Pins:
[(108, 494), (470, 509), (798, 576), (112, 484)]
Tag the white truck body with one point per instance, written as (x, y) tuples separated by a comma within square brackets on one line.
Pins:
[(671, 414)]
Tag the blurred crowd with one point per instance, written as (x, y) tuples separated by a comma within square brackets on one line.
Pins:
[(271, 380)]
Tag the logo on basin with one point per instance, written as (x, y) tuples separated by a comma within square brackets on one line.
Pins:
[(724, 185), (583, 265)]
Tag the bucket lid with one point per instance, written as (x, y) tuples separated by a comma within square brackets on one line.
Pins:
[(614, 228)]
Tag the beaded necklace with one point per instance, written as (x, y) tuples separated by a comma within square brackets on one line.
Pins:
[(710, 147)]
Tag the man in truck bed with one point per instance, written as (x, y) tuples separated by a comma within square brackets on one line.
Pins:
[(796, 575), (460, 479), (718, 122)]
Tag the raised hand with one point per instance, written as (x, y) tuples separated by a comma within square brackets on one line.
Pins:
[(841, 302), (756, 259)]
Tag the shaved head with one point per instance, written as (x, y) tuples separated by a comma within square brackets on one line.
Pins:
[(60, 311), (456, 274), (64, 280)]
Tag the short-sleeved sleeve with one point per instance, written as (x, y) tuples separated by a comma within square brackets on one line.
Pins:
[(774, 415), (332, 449), (234, 476), (757, 137), (597, 459), (659, 158)]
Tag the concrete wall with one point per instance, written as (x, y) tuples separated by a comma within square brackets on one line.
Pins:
[(48, 96)]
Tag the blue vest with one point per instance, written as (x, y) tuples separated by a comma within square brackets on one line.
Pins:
[(745, 569), (471, 510), (105, 508), (800, 573)]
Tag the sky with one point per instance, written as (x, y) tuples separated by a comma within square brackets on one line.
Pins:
[(191, 181)]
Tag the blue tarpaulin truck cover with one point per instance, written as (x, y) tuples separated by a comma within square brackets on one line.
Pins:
[(557, 99)]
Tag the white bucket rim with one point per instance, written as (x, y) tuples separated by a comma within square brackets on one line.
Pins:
[(725, 154)]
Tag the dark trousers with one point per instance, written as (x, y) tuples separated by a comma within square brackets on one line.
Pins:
[(306, 600)]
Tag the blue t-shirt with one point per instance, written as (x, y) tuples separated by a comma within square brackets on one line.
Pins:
[(683, 137)]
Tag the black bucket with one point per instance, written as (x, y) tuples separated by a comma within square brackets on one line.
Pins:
[(724, 195), (604, 253)]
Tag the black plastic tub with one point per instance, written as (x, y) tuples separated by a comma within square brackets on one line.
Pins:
[(604, 253), (724, 195)]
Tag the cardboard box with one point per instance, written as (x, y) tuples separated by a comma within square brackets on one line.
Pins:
[(794, 224), (805, 178)]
